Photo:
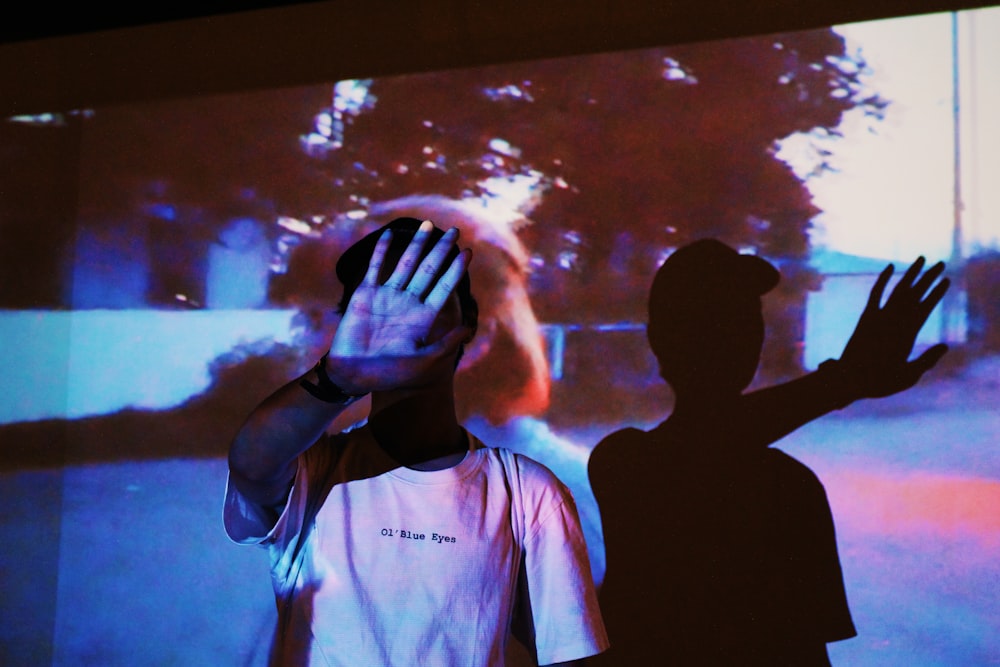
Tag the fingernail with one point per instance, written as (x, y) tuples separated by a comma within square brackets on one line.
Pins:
[(425, 226)]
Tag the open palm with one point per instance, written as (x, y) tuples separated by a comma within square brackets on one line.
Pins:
[(877, 357), (387, 337)]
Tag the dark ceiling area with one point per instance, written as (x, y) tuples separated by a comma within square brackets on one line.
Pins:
[(33, 21), (30, 21), (74, 56)]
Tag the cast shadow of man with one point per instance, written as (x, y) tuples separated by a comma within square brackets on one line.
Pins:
[(721, 550)]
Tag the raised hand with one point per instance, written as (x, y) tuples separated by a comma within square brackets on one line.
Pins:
[(876, 361), (397, 334)]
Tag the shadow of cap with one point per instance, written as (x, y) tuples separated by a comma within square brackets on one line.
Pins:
[(707, 271)]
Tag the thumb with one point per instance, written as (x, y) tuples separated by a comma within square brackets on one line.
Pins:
[(448, 342), (929, 358), (926, 361)]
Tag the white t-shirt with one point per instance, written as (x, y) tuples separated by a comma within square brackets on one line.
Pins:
[(377, 564)]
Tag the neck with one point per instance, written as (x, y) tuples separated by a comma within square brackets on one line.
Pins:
[(418, 427), (705, 415), (699, 405)]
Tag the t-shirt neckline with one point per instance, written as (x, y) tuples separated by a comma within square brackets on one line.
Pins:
[(469, 463)]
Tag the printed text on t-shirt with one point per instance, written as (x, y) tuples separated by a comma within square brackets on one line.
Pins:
[(412, 535)]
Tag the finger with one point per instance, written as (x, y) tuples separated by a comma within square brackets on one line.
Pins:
[(912, 272), (926, 280), (901, 293), (875, 296), (378, 255), (911, 373), (934, 297), (407, 263), (449, 281), (433, 262)]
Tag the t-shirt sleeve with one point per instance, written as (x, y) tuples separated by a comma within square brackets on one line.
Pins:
[(563, 603), (248, 523)]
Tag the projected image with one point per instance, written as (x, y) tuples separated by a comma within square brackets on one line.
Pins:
[(183, 259)]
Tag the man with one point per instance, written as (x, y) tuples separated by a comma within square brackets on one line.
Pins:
[(721, 550), (405, 542)]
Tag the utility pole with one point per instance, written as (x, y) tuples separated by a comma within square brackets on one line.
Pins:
[(952, 304)]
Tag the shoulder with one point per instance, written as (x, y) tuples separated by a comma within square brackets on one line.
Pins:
[(543, 493), (787, 464), (534, 476), (617, 453), (537, 486), (528, 470), (548, 507), (793, 476)]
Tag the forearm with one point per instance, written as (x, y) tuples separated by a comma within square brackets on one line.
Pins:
[(284, 425), (772, 413)]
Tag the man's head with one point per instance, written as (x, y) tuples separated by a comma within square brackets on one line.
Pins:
[(353, 264), (705, 323)]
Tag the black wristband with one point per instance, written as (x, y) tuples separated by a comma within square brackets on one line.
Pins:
[(326, 391)]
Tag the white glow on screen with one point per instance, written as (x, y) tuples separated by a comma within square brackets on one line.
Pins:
[(892, 196)]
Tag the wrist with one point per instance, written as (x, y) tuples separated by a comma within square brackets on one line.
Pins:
[(839, 382), (325, 389)]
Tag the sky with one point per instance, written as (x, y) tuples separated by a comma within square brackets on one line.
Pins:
[(892, 196)]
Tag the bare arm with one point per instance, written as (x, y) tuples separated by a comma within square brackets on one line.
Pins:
[(381, 344), (263, 453)]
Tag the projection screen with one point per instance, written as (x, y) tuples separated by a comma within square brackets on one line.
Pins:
[(186, 246)]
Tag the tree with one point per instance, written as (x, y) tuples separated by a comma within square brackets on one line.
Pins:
[(637, 153)]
